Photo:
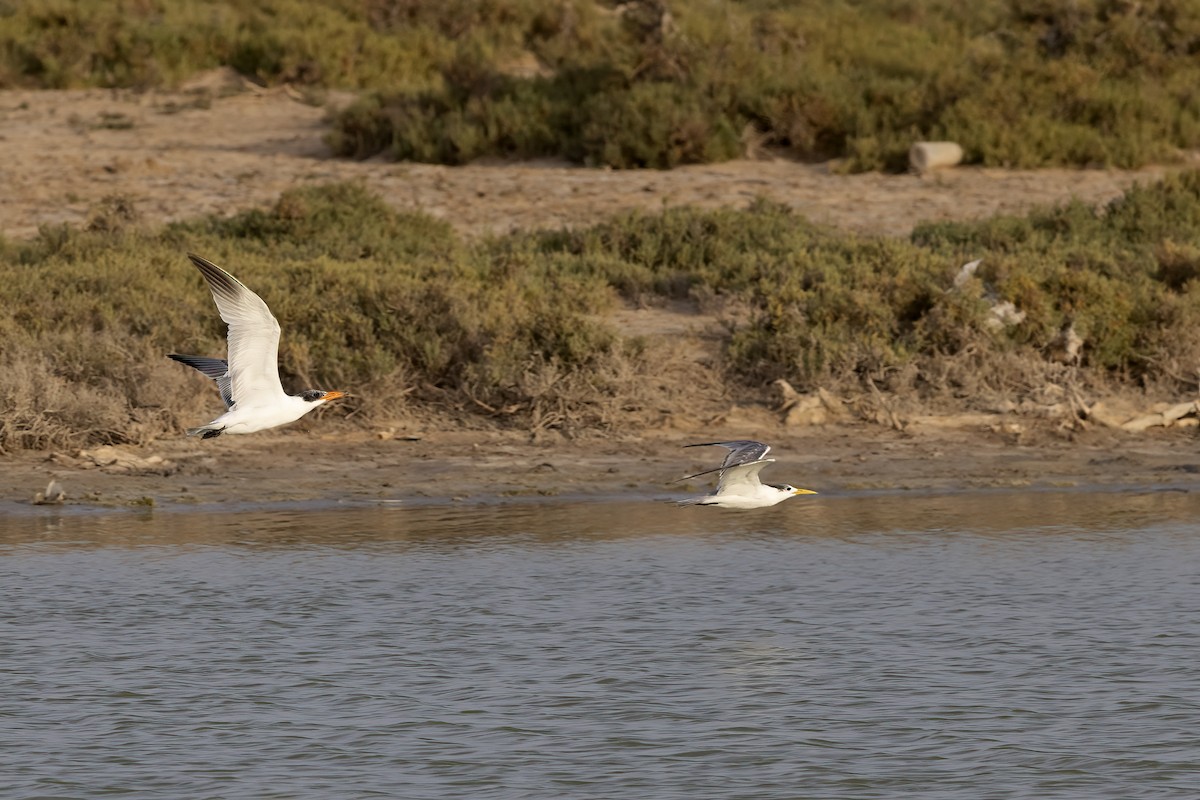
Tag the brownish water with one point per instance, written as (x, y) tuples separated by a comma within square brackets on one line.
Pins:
[(890, 645)]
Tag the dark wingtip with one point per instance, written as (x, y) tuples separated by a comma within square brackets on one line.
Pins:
[(218, 279)]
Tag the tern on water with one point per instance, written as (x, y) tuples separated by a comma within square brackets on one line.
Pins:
[(249, 379), (738, 485)]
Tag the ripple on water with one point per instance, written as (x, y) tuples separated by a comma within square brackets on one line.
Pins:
[(1036, 644)]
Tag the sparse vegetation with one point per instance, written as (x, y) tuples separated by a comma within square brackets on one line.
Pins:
[(392, 307), (829, 307), (1017, 82), (410, 318)]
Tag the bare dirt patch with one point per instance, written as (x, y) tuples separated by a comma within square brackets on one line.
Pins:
[(181, 155)]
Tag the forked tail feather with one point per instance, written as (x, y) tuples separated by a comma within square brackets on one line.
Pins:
[(205, 431)]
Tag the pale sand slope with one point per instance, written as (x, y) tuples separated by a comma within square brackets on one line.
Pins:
[(66, 150)]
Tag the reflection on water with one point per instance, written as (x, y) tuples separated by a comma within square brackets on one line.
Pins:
[(336, 525), (1033, 644)]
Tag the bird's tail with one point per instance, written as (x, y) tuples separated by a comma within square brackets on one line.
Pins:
[(205, 431), (692, 501)]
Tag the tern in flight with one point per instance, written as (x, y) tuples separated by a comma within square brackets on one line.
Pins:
[(738, 485), (249, 379)]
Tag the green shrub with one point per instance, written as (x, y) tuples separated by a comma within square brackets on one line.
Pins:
[(1020, 83), (829, 306), (373, 302), (400, 311), (1017, 84)]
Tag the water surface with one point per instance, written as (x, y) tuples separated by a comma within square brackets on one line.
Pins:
[(1032, 644)]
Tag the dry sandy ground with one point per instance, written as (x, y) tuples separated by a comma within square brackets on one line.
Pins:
[(63, 151), (178, 156), (471, 467)]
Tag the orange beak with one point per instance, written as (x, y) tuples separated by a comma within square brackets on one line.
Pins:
[(333, 396)]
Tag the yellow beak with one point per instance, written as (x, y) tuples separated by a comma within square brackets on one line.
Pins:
[(804, 491)]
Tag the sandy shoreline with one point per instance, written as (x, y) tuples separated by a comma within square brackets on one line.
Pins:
[(329, 467)]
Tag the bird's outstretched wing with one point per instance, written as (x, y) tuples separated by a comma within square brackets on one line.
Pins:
[(742, 479), (741, 452), (215, 368), (253, 336)]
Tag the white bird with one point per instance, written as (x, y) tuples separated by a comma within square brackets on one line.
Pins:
[(54, 495), (249, 380), (739, 485)]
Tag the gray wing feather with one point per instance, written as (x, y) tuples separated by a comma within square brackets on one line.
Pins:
[(741, 452), (215, 368)]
